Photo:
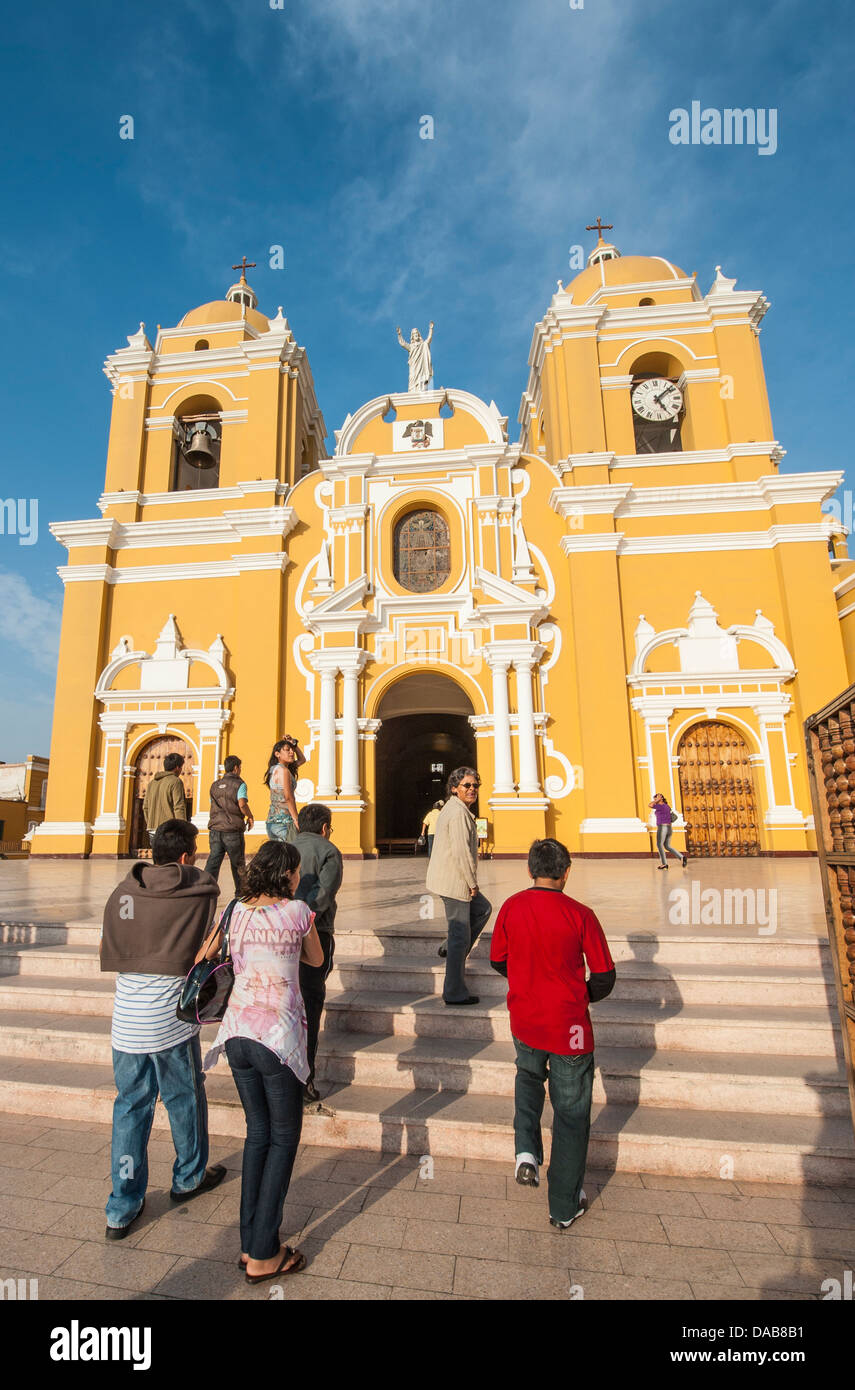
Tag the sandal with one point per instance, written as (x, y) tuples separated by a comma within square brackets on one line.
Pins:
[(287, 1254)]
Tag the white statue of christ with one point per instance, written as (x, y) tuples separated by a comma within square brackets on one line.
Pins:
[(421, 366)]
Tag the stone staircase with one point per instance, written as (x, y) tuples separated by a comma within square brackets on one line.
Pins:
[(716, 1055)]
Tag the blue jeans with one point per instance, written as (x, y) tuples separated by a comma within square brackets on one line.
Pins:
[(466, 921), (272, 1098), (176, 1074), (663, 842), (571, 1083)]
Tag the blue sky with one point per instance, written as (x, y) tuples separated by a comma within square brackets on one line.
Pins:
[(299, 126)]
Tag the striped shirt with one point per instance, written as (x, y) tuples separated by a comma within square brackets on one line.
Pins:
[(144, 1014)]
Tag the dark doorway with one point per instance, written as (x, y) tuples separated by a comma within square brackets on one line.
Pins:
[(415, 754), (149, 761)]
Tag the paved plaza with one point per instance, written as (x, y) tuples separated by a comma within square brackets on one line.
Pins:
[(372, 1226), (411, 1226)]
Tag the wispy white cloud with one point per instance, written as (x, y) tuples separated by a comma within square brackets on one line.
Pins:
[(30, 625)]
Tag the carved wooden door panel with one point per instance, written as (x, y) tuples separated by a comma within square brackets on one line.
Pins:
[(717, 791), (150, 761), (830, 736)]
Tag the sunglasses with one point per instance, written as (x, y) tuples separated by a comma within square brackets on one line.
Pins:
[(470, 785)]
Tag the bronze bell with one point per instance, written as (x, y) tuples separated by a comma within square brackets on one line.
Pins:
[(199, 451)]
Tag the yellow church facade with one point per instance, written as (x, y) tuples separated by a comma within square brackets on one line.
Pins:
[(630, 599)]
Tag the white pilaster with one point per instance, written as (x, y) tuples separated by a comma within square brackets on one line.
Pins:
[(351, 663), (529, 782), (504, 778), (326, 663)]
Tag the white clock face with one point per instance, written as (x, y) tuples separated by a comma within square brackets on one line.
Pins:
[(657, 399)]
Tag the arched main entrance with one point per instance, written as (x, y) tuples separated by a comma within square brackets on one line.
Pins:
[(149, 761), (717, 790), (425, 734)]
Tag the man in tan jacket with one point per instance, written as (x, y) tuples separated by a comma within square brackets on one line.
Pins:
[(164, 796), (453, 876)]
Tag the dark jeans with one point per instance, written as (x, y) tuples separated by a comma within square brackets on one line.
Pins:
[(430, 845), (225, 842), (313, 985), (176, 1075), (272, 1098), (571, 1082), (466, 921)]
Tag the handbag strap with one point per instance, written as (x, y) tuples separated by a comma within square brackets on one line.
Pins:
[(225, 925)]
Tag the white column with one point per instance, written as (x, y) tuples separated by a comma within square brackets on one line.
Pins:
[(503, 784), (120, 775), (326, 753), (529, 784), (351, 665)]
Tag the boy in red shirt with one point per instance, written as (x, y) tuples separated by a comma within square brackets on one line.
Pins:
[(541, 942)]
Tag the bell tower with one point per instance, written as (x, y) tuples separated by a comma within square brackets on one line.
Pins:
[(211, 427)]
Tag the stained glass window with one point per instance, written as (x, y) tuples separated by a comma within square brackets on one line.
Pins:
[(422, 552)]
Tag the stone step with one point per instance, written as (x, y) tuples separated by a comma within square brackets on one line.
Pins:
[(62, 961), (666, 948), (64, 994), (71, 933), (624, 1076), (668, 1141), (710, 947), (617, 1023), (636, 980), (688, 982)]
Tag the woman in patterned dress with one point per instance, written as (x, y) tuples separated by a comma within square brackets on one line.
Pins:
[(281, 778)]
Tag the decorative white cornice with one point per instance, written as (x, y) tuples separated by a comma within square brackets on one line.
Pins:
[(84, 534), (225, 529), (758, 495), (603, 500), (581, 545), (228, 568), (199, 496)]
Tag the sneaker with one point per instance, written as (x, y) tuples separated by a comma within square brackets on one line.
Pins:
[(685, 860), (527, 1171), (660, 867), (583, 1207)]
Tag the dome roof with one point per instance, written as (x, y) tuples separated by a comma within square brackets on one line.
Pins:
[(621, 270), (224, 311)]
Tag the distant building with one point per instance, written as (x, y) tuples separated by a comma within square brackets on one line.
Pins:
[(23, 790)]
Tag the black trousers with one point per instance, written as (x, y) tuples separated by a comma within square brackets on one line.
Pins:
[(313, 984)]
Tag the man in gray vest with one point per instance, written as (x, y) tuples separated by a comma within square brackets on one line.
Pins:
[(230, 814)]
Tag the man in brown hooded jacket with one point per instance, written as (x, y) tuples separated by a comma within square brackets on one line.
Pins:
[(154, 924)]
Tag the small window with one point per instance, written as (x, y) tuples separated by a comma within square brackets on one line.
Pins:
[(643, 303), (202, 345), (422, 552)]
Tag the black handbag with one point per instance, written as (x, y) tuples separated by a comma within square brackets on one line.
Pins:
[(674, 817), (205, 993)]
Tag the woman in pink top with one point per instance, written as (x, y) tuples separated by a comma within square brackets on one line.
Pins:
[(263, 1034)]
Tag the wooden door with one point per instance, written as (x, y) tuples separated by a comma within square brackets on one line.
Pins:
[(717, 791), (149, 761)]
